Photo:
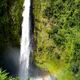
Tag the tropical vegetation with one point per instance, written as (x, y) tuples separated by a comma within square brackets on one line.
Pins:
[(57, 37)]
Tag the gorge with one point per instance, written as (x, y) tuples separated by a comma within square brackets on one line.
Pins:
[(40, 39)]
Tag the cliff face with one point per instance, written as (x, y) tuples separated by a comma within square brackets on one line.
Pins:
[(10, 22), (57, 37), (10, 32)]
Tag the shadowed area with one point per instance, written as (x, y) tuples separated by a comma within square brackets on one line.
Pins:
[(10, 60)]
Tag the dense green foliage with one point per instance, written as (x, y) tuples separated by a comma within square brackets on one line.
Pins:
[(57, 37), (10, 25), (10, 22), (4, 76)]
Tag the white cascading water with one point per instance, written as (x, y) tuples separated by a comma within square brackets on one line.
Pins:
[(25, 45), (25, 42)]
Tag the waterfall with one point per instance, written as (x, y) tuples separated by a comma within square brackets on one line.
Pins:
[(25, 46), (25, 42)]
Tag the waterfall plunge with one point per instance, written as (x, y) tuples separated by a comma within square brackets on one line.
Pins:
[(25, 45), (25, 42)]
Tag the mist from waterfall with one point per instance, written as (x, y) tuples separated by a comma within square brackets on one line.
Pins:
[(25, 42)]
